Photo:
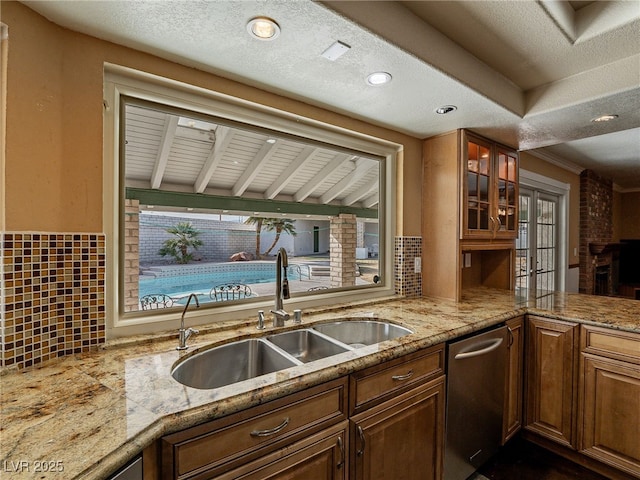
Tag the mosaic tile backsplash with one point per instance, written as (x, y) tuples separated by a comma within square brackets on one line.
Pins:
[(407, 282), (52, 288)]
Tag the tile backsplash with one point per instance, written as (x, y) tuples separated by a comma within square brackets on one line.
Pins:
[(407, 281), (52, 288)]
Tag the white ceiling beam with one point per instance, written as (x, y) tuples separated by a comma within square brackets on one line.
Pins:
[(362, 166), (287, 175), (308, 188), (253, 169), (363, 191), (371, 201), (170, 126), (223, 138)]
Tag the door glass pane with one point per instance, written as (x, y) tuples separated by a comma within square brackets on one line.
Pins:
[(522, 244), (546, 251)]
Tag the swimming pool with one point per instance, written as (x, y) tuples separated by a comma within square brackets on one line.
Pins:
[(179, 286)]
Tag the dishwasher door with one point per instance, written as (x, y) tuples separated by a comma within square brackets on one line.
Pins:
[(476, 380)]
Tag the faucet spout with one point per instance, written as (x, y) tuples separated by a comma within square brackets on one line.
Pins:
[(282, 289), (184, 334)]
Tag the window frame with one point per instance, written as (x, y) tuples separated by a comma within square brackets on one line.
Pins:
[(122, 81)]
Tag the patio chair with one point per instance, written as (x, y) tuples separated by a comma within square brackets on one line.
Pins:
[(230, 291), (155, 301)]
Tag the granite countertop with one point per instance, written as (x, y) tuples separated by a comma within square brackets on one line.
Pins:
[(89, 414)]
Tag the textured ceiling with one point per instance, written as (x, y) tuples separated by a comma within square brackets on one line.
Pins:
[(528, 73)]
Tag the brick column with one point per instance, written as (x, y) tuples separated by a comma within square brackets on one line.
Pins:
[(360, 235), (131, 254), (343, 250)]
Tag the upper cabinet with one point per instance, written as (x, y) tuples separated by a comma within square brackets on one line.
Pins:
[(490, 189), (470, 214)]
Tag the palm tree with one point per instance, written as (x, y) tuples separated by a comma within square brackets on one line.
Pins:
[(280, 225), (257, 221), (185, 238)]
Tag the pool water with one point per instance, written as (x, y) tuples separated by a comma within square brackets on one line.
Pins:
[(183, 285)]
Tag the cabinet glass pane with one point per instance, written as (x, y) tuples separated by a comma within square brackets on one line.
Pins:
[(484, 188), (511, 219), (473, 218), (484, 160), (502, 192), (511, 194), (512, 168), (473, 157), (472, 186), (502, 166), (484, 217)]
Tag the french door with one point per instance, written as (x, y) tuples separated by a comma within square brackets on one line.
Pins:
[(537, 243)]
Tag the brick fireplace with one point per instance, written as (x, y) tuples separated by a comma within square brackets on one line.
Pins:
[(597, 250)]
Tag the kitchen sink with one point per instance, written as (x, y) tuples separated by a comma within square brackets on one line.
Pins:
[(244, 359), (231, 363), (358, 333), (306, 345)]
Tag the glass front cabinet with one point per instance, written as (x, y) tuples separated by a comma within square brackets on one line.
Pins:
[(490, 189)]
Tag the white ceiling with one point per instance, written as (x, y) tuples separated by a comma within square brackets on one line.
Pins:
[(528, 73)]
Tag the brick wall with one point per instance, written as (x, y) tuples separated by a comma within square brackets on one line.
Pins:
[(343, 250), (596, 225), (131, 254)]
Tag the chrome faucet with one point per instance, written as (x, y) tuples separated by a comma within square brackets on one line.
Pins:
[(183, 335), (282, 289)]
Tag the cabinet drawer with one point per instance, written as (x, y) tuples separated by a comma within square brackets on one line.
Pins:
[(611, 343), (257, 431), (376, 384)]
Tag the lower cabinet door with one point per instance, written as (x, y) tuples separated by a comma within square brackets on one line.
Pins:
[(610, 423), (322, 456), (401, 438), (551, 374)]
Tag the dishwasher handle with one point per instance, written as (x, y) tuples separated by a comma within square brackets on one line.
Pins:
[(476, 353)]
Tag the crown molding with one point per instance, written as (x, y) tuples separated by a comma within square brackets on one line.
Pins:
[(555, 160)]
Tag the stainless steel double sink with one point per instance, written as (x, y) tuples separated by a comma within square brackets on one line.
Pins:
[(243, 359)]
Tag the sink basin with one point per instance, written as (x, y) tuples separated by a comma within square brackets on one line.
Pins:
[(230, 363), (358, 333), (306, 345)]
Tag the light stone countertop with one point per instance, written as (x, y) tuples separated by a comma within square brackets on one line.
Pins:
[(90, 414)]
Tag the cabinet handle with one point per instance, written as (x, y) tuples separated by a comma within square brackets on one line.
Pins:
[(510, 337), (270, 431), (341, 447), (400, 378), (363, 442)]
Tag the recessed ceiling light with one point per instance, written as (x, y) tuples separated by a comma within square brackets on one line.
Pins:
[(378, 78), (263, 28), (446, 109), (604, 118), (271, 140)]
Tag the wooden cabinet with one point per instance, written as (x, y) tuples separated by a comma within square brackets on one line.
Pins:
[(490, 188), (470, 212), (398, 430), (401, 438), (209, 450), (609, 415), (512, 420), (551, 371), (320, 457)]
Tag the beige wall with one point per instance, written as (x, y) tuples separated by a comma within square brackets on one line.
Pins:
[(54, 125), (629, 218), (541, 167)]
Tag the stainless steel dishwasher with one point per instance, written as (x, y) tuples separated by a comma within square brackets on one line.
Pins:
[(476, 379)]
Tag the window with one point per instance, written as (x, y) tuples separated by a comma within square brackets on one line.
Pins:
[(209, 189)]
